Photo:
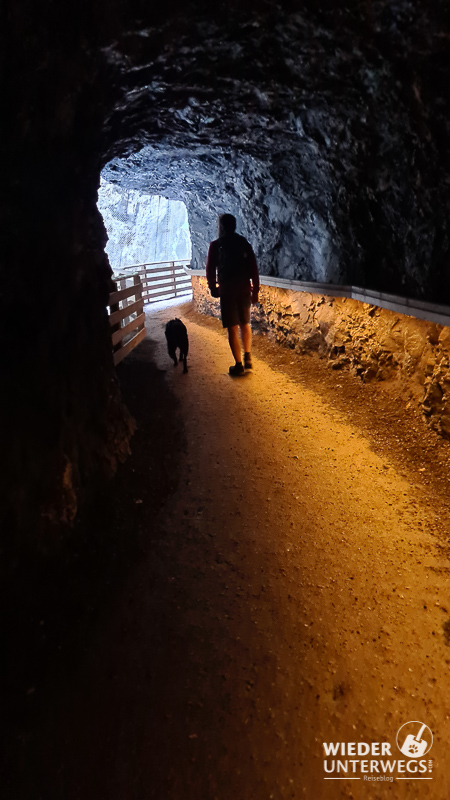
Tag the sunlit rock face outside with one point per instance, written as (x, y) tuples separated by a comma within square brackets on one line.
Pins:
[(143, 228), (321, 126)]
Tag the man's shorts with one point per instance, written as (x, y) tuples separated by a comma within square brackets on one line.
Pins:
[(235, 307)]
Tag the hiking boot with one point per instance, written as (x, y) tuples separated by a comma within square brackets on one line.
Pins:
[(248, 364), (236, 370)]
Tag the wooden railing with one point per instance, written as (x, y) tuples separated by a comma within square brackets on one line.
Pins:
[(126, 316), (134, 286), (160, 279)]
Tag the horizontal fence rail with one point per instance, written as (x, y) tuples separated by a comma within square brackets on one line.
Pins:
[(126, 316), (432, 312), (160, 279)]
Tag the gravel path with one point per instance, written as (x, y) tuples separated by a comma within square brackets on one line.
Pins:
[(309, 588), (294, 592)]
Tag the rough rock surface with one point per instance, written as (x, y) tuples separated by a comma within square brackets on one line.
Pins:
[(322, 132), (410, 356), (322, 125)]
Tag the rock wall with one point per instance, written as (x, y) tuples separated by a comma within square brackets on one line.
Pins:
[(63, 423), (376, 344), (322, 127)]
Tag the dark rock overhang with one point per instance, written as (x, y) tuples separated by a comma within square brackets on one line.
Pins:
[(323, 131)]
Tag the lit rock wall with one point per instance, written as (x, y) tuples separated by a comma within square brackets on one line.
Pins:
[(376, 344)]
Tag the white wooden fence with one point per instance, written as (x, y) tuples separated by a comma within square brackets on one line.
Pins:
[(126, 316), (160, 279), (134, 286)]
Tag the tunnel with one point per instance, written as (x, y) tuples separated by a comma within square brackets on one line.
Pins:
[(323, 129), (321, 126)]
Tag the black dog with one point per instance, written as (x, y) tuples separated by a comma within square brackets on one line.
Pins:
[(177, 336)]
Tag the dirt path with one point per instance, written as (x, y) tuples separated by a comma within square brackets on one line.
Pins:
[(296, 593), (316, 597)]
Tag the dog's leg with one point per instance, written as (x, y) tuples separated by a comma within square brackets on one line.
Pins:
[(173, 355)]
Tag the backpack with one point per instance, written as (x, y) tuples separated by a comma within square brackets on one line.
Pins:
[(233, 258)]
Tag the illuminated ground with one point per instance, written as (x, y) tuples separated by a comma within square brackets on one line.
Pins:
[(294, 590)]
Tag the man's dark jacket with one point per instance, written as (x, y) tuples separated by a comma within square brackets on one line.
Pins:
[(231, 263)]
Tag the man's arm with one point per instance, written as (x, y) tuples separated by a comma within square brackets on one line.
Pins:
[(211, 272), (254, 275)]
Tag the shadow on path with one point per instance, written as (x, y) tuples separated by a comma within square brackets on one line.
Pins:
[(53, 607)]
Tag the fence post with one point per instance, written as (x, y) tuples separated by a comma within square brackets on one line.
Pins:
[(172, 263), (138, 283), (115, 307), (126, 337)]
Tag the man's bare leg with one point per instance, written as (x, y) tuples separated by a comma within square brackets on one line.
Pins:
[(235, 345), (246, 336)]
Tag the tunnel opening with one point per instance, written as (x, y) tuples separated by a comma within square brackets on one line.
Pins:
[(149, 237), (291, 230), (143, 228)]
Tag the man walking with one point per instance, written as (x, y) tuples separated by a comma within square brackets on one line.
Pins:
[(232, 275)]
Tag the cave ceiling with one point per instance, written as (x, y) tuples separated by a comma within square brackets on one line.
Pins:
[(324, 131)]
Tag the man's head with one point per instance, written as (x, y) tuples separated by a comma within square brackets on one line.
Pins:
[(227, 224)]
